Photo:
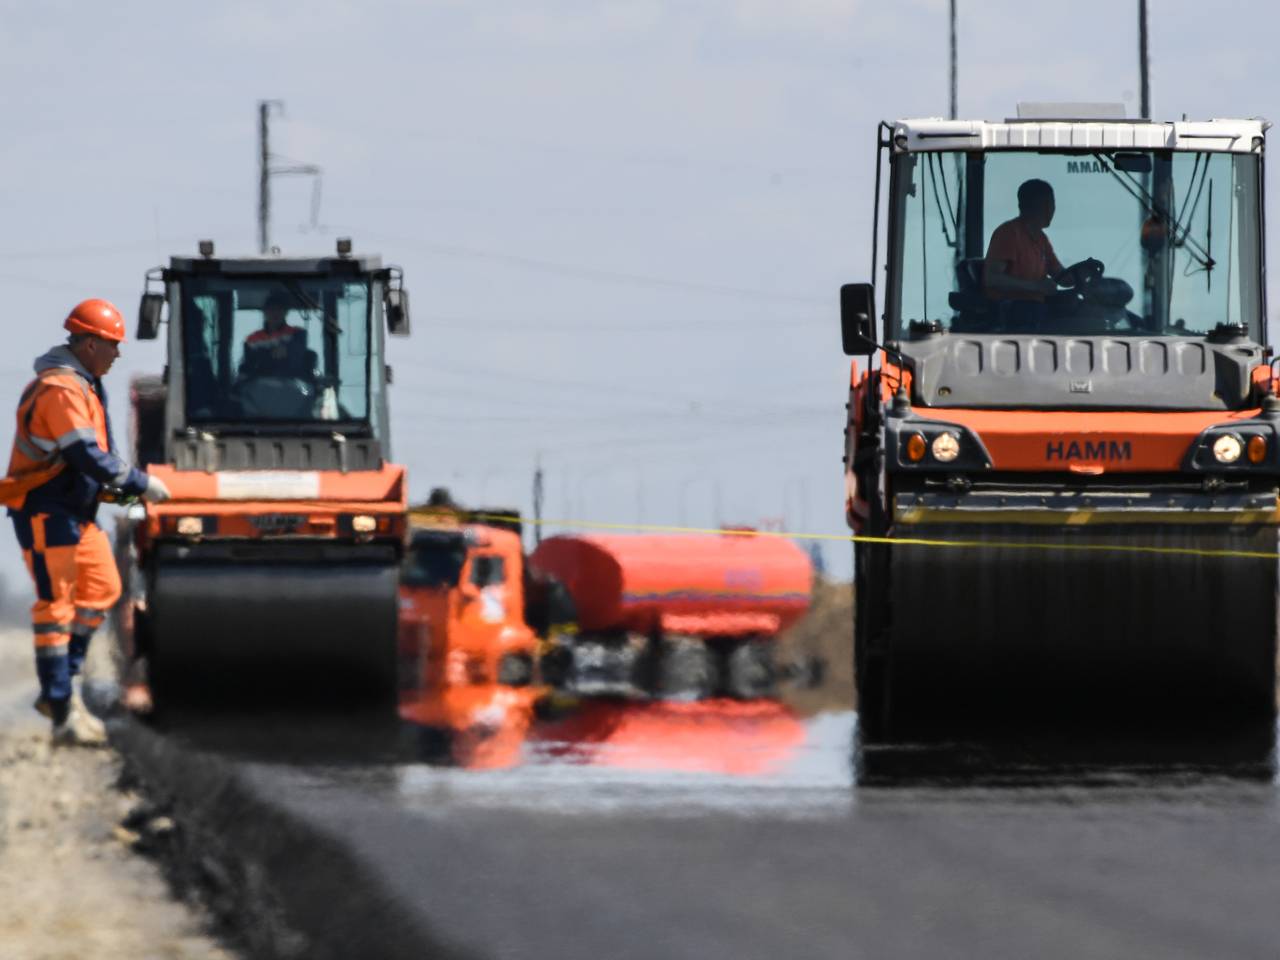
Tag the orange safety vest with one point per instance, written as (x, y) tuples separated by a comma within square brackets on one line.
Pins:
[(36, 460)]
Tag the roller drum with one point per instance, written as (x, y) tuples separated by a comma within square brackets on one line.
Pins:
[(973, 632), (323, 631)]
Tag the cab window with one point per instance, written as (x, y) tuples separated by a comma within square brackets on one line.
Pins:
[(488, 571), (434, 560)]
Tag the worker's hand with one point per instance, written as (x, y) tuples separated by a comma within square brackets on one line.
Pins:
[(156, 491)]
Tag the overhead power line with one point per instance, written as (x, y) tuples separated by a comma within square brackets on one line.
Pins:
[(588, 272)]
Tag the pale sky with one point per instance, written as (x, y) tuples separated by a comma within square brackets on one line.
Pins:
[(623, 224)]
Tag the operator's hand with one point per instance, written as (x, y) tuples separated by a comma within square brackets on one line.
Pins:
[(156, 491)]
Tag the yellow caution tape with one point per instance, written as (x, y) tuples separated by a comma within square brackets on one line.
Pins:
[(863, 538)]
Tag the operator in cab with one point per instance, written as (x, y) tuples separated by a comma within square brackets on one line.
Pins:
[(277, 349), (64, 461), (1020, 265)]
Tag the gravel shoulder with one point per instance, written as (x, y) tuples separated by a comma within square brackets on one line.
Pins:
[(71, 883)]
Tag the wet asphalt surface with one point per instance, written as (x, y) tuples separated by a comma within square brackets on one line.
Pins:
[(704, 832)]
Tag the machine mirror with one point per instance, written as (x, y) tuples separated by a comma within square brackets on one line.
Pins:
[(149, 311), (398, 312), (857, 307)]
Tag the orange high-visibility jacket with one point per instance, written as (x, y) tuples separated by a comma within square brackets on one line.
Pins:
[(62, 447)]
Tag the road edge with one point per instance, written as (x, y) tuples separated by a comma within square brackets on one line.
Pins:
[(280, 887)]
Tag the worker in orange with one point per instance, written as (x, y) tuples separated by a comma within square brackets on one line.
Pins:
[(63, 460), (1020, 264), (278, 349)]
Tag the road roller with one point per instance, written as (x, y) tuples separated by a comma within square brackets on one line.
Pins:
[(274, 568), (1061, 452)]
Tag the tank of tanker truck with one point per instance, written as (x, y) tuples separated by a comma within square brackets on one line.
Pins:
[(730, 585), (675, 615)]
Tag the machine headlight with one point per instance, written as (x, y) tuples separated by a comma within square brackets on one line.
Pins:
[(1227, 448), (363, 523), (190, 526), (945, 447)]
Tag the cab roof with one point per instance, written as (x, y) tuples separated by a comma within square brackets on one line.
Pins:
[(1220, 136), (443, 522), (292, 266)]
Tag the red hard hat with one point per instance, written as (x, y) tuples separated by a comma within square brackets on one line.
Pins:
[(100, 318)]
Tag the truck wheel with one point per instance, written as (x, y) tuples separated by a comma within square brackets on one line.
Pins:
[(685, 670), (556, 667), (749, 672)]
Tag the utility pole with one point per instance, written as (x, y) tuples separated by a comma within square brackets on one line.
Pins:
[(1143, 72), (264, 175), (955, 108), (266, 170), (537, 501)]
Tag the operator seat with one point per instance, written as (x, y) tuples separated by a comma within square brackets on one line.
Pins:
[(974, 312)]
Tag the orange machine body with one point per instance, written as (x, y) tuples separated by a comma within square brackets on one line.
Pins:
[(729, 585), (1058, 440), (1098, 441), (261, 505), (1027, 441)]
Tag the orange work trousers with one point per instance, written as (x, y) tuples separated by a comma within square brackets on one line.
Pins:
[(76, 581)]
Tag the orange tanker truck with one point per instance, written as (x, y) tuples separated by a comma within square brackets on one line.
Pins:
[(277, 559), (1071, 402), (590, 616)]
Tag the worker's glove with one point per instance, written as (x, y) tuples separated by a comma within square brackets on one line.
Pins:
[(116, 496), (156, 491)]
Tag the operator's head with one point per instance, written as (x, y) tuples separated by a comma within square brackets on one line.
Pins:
[(1035, 203), (275, 309), (96, 331)]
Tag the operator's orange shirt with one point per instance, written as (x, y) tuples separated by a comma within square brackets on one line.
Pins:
[(1028, 253)]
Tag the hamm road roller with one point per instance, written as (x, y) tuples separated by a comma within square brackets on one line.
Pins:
[(1064, 438), (275, 566)]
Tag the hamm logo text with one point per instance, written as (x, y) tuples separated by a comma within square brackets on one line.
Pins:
[(1088, 450)]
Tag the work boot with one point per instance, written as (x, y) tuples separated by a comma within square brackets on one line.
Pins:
[(76, 703), (80, 729)]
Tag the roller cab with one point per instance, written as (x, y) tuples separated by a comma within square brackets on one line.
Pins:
[(275, 565), (1069, 396)]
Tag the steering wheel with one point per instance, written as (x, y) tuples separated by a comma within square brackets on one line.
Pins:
[(1085, 274)]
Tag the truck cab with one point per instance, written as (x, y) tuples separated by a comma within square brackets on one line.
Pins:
[(469, 671), (462, 592)]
